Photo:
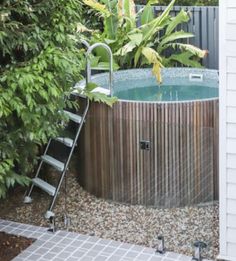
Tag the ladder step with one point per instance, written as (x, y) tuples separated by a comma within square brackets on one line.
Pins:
[(53, 162), (82, 95), (77, 94), (74, 117), (44, 186), (101, 90), (66, 141)]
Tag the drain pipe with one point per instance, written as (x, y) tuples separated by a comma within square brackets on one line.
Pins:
[(198, 247)]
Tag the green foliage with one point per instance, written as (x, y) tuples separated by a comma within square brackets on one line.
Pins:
[(183, 2), (40, 62), (135, 46), (90, 92), (90, 18)]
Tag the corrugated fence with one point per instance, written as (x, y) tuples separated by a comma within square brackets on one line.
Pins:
[(204, 24)]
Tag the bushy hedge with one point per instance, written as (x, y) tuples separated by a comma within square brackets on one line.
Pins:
[(39, 63), (184, 2)]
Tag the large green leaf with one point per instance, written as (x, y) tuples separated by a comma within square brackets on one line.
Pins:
[(129, 9), (137, 56), (126, 10), (190, 48), (136, 38), (111, 22), (90, 92), (102, 9), (147, 14), (155, 59), (120, 9), (110, 27), (150, 29), (182, 17), (127, 48), (102, 98), (94, 60), (173, 37), (102, 53), (151, 55), (185, 58)]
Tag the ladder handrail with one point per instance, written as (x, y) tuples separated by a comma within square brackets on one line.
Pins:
[(84, 42), (108, 49)]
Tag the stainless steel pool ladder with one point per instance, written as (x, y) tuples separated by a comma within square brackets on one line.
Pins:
[(61, 167)]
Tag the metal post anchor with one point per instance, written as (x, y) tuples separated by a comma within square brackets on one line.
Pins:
[(198, 247), (51, 217), (161, 245)]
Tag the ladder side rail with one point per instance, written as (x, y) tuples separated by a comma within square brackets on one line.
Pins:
[(69, 157)]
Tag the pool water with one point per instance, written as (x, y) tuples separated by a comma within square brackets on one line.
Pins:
[(172, 92)]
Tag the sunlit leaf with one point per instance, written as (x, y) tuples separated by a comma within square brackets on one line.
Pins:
[(136, 38), (184, 58), (173, 37), (181, 17), (190, 48), (126, 49), (97, 6), (147, 14)]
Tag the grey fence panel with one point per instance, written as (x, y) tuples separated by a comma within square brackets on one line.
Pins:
[(204, 24), (216, 28), (204, 33)]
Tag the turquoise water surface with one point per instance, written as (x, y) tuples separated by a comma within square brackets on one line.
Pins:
[(178, 92)]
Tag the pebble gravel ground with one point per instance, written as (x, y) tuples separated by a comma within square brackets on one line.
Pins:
[(127, 223)]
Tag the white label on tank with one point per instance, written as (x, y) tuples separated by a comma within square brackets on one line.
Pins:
[(195, 77)]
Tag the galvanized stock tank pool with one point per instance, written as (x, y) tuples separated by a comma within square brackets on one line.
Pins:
[(158, 145)]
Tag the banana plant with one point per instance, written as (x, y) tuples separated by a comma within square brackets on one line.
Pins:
[(147, 44)]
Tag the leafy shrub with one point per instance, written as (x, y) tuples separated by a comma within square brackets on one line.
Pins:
[(136, 46), (90, 18), (40, 62)]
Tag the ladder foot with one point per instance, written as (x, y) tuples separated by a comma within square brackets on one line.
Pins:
[(67, 220), (49, 214), (27, 200)]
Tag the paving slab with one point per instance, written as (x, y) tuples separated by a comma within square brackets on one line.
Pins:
[(71, 246)]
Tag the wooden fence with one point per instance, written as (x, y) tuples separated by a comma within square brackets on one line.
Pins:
[(204, 24)]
